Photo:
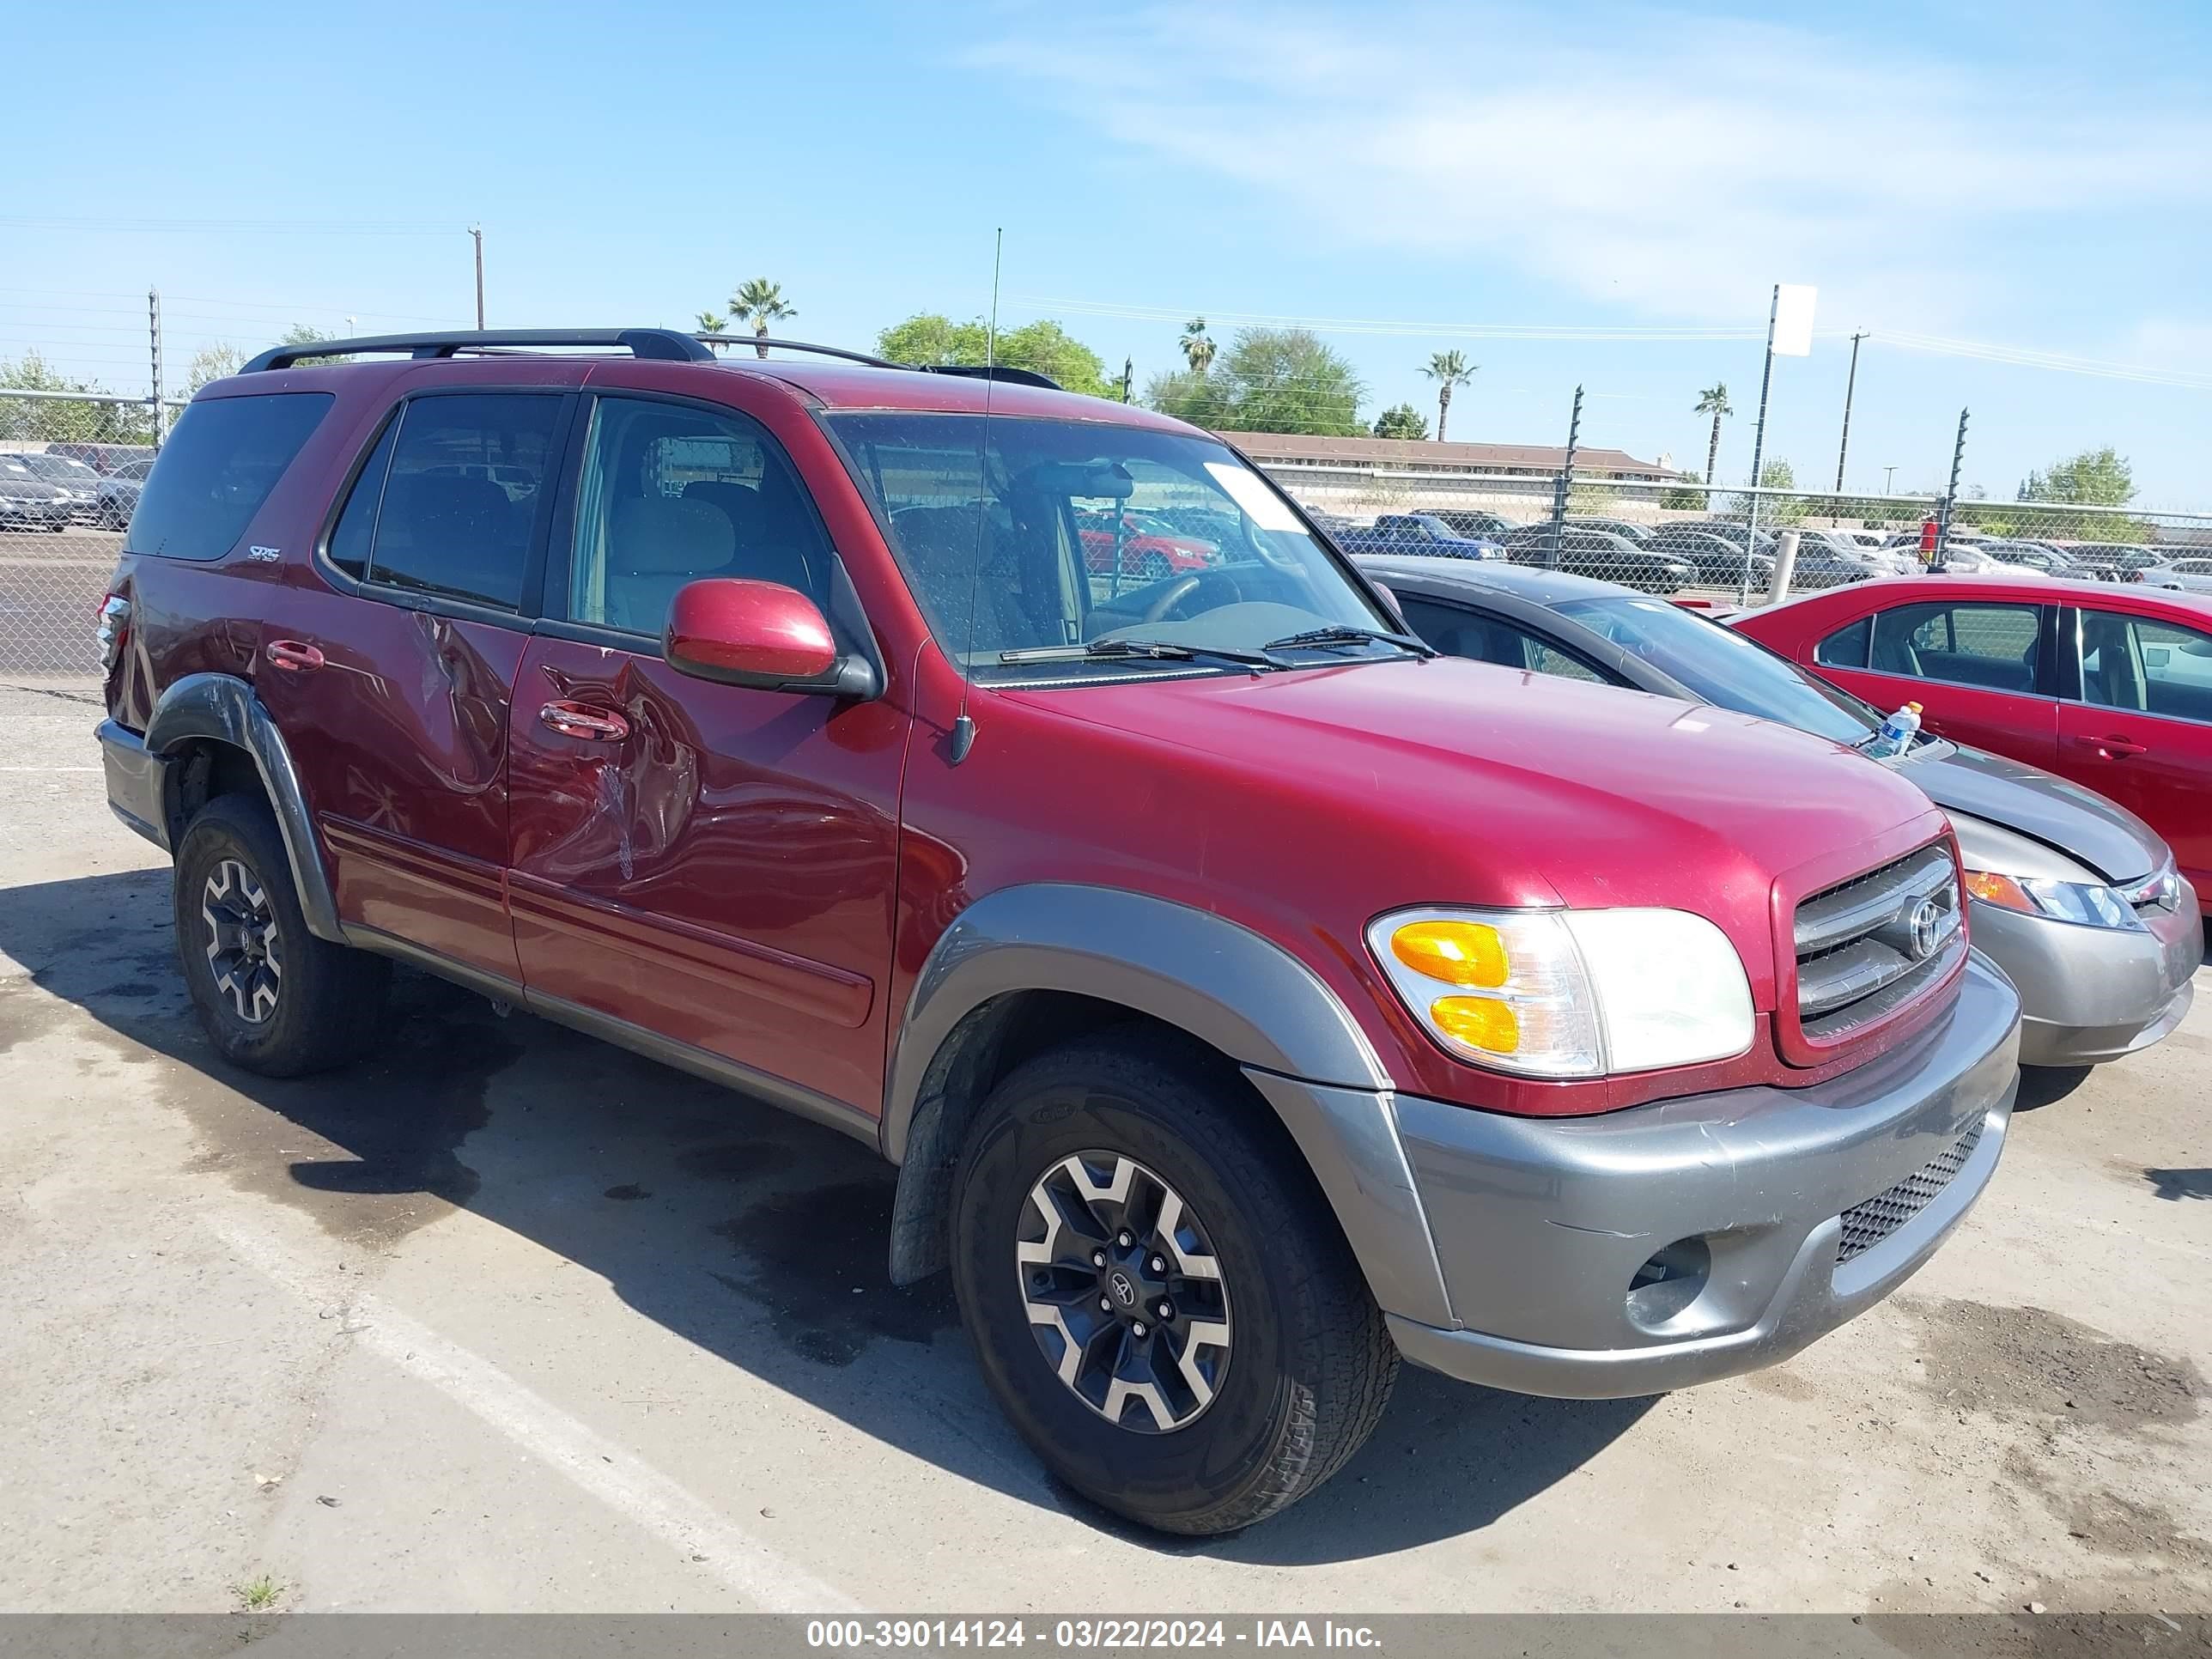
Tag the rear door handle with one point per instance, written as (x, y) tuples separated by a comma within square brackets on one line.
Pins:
[(576, 719), (292, 655), (2113, 748)]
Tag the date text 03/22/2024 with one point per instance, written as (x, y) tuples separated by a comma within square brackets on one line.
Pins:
[(1086, 1634)]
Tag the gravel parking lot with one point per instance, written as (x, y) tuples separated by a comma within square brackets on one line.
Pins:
[(449, 1332)]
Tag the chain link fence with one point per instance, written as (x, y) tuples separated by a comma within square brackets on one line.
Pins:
[(1679, 537), (71, 469), (71, 465)]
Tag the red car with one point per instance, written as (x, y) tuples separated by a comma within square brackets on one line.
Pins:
[(1247, 995), (2111, 686), (1150, 551)]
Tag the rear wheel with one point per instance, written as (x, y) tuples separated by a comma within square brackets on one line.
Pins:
[(1158, 1296), (271, 997)]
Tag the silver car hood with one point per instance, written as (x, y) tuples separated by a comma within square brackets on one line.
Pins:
[(2080, 824)]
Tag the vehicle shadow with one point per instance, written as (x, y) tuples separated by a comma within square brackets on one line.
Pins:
[(2046, 1085), (757, 1236)]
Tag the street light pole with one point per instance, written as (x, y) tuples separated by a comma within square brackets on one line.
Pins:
[(1888, 477), (1851, 384), (476, 233), (1758, 449)]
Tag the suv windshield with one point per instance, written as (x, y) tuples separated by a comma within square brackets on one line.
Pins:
[(1020, 535), (1723, 667)]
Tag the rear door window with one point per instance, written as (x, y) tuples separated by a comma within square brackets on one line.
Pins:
[(216, 469), (1994, 646), (454, 498)]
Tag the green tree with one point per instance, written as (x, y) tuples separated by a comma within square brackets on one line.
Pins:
[(1687, 496), (212, 362), (1447, 369), (1270, 380), (712, 322), (2095, 477), (60, 420), (1403, 421), (1197, 345), (761, 303), (1592, 498), (1779, 510), (1713, 401), (1043, 347), (300, 334)]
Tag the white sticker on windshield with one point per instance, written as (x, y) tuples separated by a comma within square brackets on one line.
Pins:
[(1261, 505)]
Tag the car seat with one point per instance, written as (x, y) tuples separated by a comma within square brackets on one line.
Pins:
[(656, 545)]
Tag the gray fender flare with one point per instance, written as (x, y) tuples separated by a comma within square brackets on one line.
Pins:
[(1239, 993), (223, 708)]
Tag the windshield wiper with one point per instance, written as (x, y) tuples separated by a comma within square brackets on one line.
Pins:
[(1340, 634), (1120, 649)]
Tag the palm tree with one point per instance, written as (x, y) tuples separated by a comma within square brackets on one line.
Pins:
[(712, 322), (1713, 401), (761, 302), (1447, 369), (1197, 345)]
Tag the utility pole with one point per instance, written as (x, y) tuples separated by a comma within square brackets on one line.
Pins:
[(1850, 384), (154, 344), (475, 231), (1128, 374), (1950, 499), (1565, 483), (1888, 478), (1758, 449)]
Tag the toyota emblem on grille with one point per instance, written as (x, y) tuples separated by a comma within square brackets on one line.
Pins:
[(1925, 928)]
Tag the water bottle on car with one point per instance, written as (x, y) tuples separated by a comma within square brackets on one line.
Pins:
[(1897, 732)]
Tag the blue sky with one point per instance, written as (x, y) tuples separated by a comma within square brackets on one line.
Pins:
[(2020, 177)]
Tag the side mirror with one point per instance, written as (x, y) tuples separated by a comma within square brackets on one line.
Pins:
[(762, 634)]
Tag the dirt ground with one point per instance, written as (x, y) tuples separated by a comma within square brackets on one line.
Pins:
[(507, 1320)]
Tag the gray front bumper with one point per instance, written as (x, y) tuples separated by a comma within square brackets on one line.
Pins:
[(2090, 994), (1538, 1227)]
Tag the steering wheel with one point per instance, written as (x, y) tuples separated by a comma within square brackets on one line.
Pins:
[(1175, 592)]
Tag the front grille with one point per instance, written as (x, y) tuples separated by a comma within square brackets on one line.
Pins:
[(1868, 947), (1866, 1225)]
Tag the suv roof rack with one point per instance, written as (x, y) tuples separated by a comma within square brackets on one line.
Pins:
[(659, 344), (664, 344), (1010, 375)]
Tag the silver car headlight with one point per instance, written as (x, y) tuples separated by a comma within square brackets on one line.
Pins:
[(1568, 994), (2092, 904)]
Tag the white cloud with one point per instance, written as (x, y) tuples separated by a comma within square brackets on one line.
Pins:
[(1677, 165)]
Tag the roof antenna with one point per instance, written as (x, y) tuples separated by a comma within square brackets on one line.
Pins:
[(964, 727)]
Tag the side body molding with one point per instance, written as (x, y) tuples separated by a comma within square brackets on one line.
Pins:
[(226, 709)]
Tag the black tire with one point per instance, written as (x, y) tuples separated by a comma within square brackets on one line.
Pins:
[(1310, 1364), (323, 1004)]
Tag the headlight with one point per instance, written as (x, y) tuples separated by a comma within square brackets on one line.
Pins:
[(1568, 994), (2090, 904)]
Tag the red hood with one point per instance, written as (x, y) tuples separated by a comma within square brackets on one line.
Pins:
[(1449, 781)]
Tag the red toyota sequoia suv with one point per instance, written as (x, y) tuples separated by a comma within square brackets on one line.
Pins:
[(1248, 996)]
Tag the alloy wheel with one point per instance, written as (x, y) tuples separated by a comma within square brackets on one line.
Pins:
[(1124, 1293), (241, 941)]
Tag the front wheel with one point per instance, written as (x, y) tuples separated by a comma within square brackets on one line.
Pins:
[(1159, 1294)]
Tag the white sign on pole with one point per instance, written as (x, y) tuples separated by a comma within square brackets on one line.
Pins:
[(1793, 319)]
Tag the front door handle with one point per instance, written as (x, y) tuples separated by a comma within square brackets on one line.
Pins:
[(576, 719), (2113, 748), (293, 656)]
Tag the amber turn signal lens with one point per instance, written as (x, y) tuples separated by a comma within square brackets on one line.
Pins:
[(1468, 953), (2001, 890), (1480, 1023)]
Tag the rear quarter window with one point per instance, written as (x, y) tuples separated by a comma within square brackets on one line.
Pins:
[(1847, 646), (217, 468)]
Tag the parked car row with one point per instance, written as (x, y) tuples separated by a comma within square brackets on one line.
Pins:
[(49, 490), (1251, 994)]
